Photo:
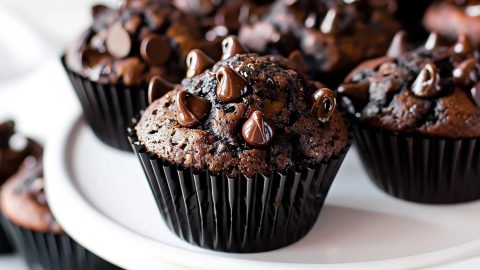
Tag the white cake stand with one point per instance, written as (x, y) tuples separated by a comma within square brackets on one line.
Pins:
[(101, 198)]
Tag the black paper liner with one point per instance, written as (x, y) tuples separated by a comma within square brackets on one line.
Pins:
[(421, 168), (49, 251), (108, 108), (240, 214), (5, 246)]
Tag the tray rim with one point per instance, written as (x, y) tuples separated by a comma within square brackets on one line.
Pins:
[(151, 254)]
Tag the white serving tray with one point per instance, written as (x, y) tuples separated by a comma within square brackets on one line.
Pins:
[(101, 198)]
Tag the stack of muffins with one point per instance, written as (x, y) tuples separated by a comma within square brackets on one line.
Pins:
[(228, 107)]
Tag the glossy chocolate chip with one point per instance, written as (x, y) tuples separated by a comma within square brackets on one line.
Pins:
[(198, 62), (231, 46), (433, 41), (91, 58), (463, 46), (155, 49), (475, 91), (324, 104), (192, 110), (399, 44), (427, 82), (119, 42), (258, 131), (329, 24), (158, 87), (466, 73), (357, 92), (98, 9), (231, 85)]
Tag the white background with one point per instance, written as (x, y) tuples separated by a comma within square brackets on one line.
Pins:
[(34, 31)]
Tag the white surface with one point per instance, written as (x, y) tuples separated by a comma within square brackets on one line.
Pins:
[(359, 228)]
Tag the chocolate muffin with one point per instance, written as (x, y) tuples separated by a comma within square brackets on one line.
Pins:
[(32, 227), (332, 36), (451, 18), (111, 63), (239, 147), (417, 121), (14, 148)]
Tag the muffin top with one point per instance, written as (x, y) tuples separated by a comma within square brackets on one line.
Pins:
[(245, 114), (333, 36), (433, 90), (137, 41), (23, 201), (450, 18), (14, 148)]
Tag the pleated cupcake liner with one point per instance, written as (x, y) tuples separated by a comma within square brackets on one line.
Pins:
[(238, 214), (421, 168), (5, 246), (49, 251), (108, 108)]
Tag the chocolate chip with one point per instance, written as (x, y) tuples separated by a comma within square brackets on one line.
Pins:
[(119, 42), (357, 92), (399, 44), (258, 130), (466, 73), (197, 7), (132, 24), (231, 85), (130, 70), (98, 9), (198, 62), (463, 46), (329, 24), (433, 41), (192, 110), (155, 49), (158, 87), (231, 46), (427, 82), (324, 104), (475, 91), (297, 58)]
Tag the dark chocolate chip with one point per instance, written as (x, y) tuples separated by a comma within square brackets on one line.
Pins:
[(198, 62), (158, 87), (475, 91), (258, 130), (91, 58), (192, 110), (330, 24), (231, 46), (155, 49), (231, 85), (427, 82), (119, 42), (324, 104), (357, 92), (98, 9), (463, 46), (297, 58), (399, 44), (466, 73), (132, 24)]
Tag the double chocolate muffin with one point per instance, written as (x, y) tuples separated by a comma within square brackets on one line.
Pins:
[(331, 36), (14, 148), (417, 121), (111, 63), (451, 18), (241, 156), (31, 226)]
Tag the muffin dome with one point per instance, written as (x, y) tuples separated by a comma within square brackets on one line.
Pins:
[(141, 39), (433, 90), (247, 114), (333, 36)]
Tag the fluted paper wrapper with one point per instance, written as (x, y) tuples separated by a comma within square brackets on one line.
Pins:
[(108, 108), (421, 168), (49, 251), (240, 214), (5, 246)]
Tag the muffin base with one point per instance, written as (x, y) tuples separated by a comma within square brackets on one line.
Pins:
[(240, 214), (108, 108), (421, 168), (52, 251)]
